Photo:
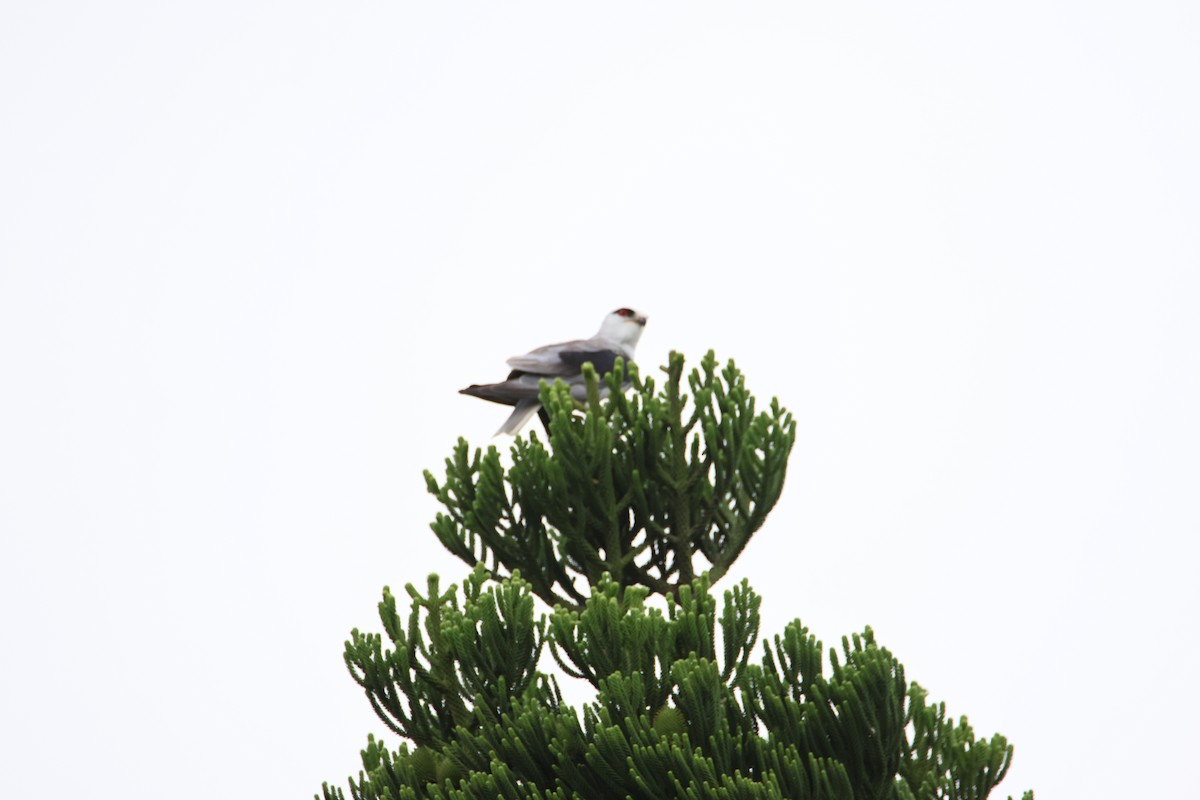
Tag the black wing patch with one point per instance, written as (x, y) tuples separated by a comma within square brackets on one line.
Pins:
[(602, 360)]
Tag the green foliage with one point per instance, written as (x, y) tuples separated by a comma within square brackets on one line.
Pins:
[(454, 666), (680, 711), (637, 488), (609, 524), (947, 761)]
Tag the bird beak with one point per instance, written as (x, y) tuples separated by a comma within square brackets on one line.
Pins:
[(640, 319)]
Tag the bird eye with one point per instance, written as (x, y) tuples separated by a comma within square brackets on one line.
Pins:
[(624, 312)]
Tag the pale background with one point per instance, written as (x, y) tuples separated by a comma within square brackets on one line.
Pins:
[(250, 251)]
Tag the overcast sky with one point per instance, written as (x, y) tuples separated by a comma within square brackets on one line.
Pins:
[(249, 252)]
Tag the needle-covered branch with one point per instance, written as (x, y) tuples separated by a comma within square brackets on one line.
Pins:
[(640, 500), (637, 486), (448, 666), (680, 708)]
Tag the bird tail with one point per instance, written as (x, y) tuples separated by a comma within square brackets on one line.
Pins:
[(520, 415)]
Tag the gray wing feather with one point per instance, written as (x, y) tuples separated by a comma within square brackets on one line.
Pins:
[(509, 392), (557, 360)]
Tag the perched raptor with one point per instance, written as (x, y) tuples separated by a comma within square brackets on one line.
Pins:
[(618, 336)]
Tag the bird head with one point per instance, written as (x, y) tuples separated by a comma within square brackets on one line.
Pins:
[(623, 326)]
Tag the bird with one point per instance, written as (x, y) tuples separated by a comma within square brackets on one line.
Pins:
[(617, 338)]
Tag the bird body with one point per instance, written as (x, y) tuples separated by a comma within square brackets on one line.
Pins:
[(617, 338)]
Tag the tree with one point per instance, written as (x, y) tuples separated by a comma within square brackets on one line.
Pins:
[(620, 523)]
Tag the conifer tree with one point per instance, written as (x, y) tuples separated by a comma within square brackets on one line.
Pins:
[(620, 523)]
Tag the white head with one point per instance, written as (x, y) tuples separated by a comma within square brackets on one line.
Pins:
[(624, 327)]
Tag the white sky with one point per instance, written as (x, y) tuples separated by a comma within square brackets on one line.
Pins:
[(249, 252)]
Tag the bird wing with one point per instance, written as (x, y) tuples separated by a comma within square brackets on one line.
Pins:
[(567, 358), (602, 360), (517, 388)]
